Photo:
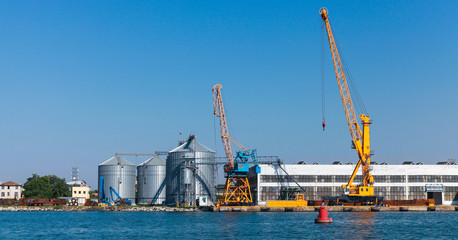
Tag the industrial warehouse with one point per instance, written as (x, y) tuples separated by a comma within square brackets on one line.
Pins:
[(394, 182)]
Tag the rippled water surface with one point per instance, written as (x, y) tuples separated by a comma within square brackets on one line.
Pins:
[(207, 225)]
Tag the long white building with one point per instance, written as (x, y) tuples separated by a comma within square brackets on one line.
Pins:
[(393, 182)]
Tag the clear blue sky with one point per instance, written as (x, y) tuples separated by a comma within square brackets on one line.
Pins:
[(83, 80)]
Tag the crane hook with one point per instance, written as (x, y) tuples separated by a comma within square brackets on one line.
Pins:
[(324, 125)]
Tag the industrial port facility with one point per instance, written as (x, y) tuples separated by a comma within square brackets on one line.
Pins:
[(187, 177)]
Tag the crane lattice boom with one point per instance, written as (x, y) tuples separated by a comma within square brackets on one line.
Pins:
[(219, 112), (361, 140), (225, 137)]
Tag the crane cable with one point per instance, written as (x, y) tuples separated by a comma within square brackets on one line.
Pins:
[(214, 133), (323, 98), (356, 96), (356, 99), (360, 106)]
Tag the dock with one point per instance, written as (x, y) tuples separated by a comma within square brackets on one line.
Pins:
[(335, 209)]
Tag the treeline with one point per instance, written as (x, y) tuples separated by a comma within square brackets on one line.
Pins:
[(49, 186)]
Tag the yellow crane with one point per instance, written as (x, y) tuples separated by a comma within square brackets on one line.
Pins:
[(360, 139), (237, 188)]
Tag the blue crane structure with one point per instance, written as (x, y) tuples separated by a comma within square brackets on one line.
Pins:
[(107, 201)]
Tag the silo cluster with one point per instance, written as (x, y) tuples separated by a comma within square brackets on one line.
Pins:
[(187, 177)]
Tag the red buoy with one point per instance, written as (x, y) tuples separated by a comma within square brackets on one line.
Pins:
[(323, 216)]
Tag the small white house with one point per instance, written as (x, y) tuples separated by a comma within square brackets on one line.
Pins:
[(10, 190)]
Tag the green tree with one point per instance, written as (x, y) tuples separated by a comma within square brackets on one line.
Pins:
[(49, 186), (59, 187), (91, 194)]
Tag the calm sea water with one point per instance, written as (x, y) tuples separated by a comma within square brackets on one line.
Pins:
[(263, 225)]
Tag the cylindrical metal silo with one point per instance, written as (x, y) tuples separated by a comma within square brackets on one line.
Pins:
[(197, 163), (151, 181), (206, 175), (119, 174)]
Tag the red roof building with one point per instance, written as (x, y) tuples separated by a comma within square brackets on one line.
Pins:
[(10, 190), (10, 183)]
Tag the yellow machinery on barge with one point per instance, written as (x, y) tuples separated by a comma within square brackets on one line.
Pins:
[(299, 202)]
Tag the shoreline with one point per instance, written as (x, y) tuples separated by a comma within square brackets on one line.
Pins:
[(94, 209)]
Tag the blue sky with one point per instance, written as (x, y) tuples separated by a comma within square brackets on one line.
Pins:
[(83, 80)]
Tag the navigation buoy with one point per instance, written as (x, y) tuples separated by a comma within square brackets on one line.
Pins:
[(323, 216)]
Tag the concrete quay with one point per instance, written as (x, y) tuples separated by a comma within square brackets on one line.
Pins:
[(336, 209)]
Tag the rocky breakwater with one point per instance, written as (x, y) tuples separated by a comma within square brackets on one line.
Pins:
[(103, 209), (145, 209)]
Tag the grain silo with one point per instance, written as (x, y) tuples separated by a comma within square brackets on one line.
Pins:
[(151, 181), (119, 174), (191, 173)]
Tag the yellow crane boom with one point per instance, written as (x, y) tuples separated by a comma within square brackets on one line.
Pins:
[(361, 140)]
